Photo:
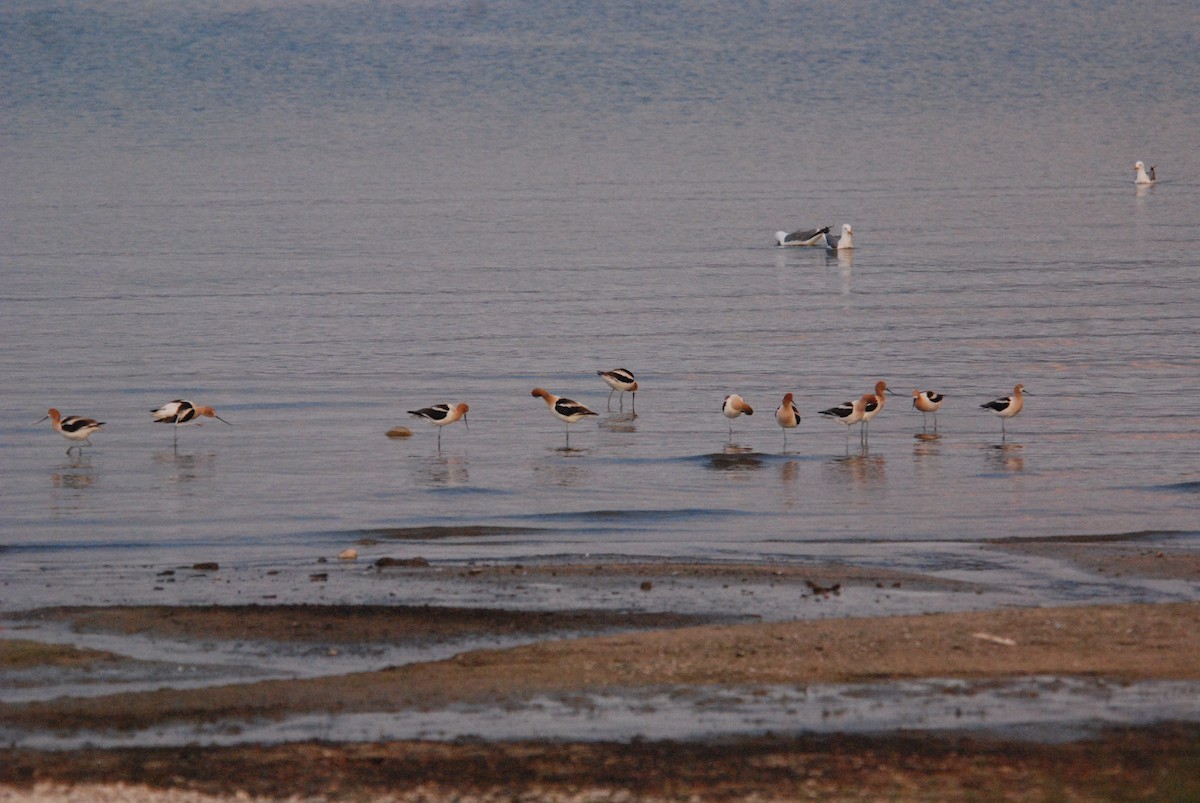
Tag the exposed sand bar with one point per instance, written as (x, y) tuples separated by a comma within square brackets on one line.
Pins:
[(1128, 642)]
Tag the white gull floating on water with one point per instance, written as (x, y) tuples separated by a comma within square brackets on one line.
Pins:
[(1140, 176), (840, 242), (802, 237)]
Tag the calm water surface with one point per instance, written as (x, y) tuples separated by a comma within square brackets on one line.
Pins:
[(317, 217)]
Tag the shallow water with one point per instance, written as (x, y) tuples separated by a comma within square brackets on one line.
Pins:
[(317, 218)]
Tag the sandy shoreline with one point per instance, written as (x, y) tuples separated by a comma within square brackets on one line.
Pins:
[(1124, 643)]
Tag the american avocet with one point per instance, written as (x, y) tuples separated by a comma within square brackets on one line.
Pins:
[(872, 410), (564, 409), (1140, 176), (787, 416), (851, 413), (802, 237), (620, 379), (1007, 406), (928, 401), (74, 428), (840, 242), (733, 406), (439, 415), (180, 412)]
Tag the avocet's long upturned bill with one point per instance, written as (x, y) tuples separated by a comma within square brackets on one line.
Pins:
[(840, 242), (1007, 406), (620, 379), (565, 410), (181, 412), (928, 401), (1140, 176), (787, 416), (802, 237), (733, 406), (74, 428), (439, 415)]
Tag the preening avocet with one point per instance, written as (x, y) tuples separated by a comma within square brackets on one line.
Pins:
[(1140, 176), (733, 406), (620, 379), (787, 416), (180, 412), (440, 415), (74, 428), (1007, 406), (928, 401), (565, 410), (852, 412), (802, 237), (840, 242)]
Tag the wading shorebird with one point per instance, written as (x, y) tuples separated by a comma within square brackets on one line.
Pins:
[(733, 406), (1007, 406), (181, 412), (928, 401), (851, 413), (439, 415), (565, 410), (620, 379), (871, 411), (74, 428), (787, 416)]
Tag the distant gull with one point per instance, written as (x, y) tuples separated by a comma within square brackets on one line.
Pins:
[(1140, 176), (802, 237), (840, 242)]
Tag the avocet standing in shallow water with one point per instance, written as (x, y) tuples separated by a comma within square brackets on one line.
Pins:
[(852, 412), (787, 416), (181, 412), (928, 401), (74, 428), (565, 410), (733, 406), (1007, 406), (440, 415), (620, 379)]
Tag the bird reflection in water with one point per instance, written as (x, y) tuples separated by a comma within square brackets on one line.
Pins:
[(861, 469), (1007, 456), (735, 458), (927, 444), (620, 422), (444, 472)]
